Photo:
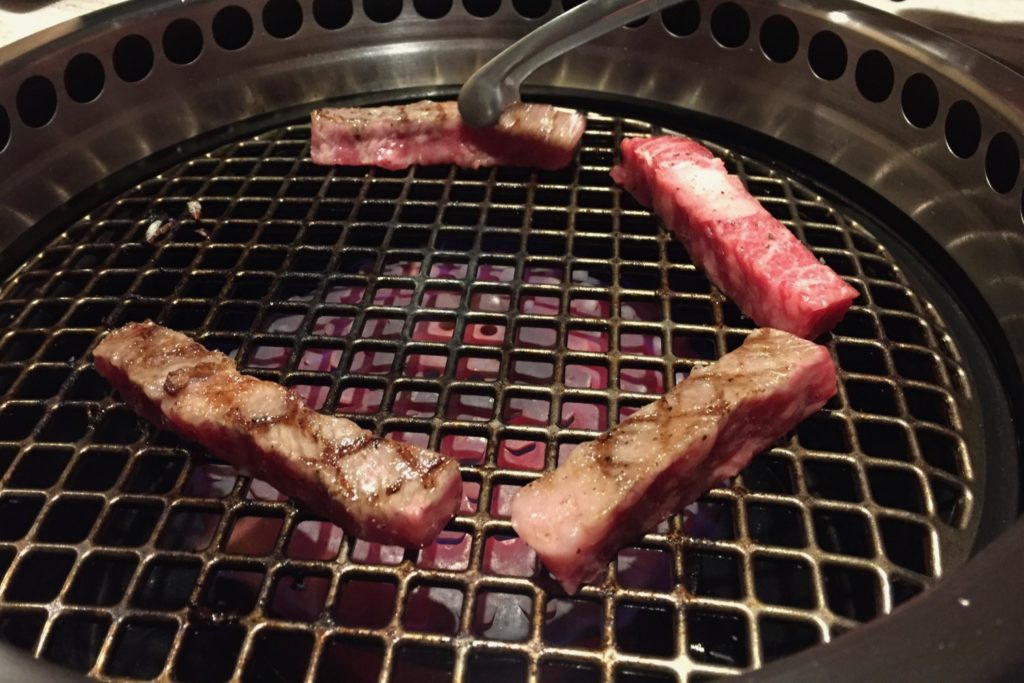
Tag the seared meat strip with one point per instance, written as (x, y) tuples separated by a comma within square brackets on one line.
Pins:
[(612, 490), (376, 489), (754, 259), (428, 132)]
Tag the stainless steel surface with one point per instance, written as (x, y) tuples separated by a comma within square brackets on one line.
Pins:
[(495, 86), (500, 316), (910, 166)]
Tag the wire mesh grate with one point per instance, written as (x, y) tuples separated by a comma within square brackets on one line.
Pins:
[(500, 316)]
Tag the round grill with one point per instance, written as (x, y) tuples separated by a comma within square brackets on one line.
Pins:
[(503, 316), (500, 316)]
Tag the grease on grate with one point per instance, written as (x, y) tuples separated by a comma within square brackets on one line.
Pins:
[(501, 316)]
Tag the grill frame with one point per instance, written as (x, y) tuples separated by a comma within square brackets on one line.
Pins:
[(504, 16)]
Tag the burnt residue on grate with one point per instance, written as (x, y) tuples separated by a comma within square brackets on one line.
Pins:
[(501, 316)]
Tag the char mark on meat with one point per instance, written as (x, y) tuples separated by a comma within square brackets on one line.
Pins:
[(612, 490), (377, 489)]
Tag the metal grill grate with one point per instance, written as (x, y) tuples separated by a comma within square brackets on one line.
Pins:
[(500, 316)]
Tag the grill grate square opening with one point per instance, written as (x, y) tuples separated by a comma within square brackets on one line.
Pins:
[(566, 671), (769, 474), (40, 468), (189, 529), (233, 589), (851, 592), (484, 667), (69, 520), (449, 552), (717, 638), (39, 576), (714, 520), (75, 642), (896, 488), (279, 656), (831, 479), (502, 616), (645, 629), (18, 420), (713, 574), (208, 653), (17, 515), (315, 540), (644, 569), (507, 555), (433, 608), (907, 544), (155, 474), (129, 524), (141, 647), (166, 584), (96, 469), (254, 535), (883, 439), (573, 622), (422, 664), (22, 628), (776, 525), (366, 601), (783, 637), (354, 660), (102, 580), (844, 533), (626, 675), (780, 581)]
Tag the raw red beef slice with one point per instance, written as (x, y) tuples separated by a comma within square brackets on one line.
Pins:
[(612, 490), (749, 255)]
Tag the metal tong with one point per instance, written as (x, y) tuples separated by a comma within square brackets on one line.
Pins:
[(495, 86)]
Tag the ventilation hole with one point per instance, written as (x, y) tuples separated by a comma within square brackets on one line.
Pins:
[(480, 8), (567, 671), (1002, 162), (875, 76), (780, 581), (332, 14), (433, 9), (963, 129), (426, 664), (730, 25), (183, 41), (22, 629), (532, 9), (713, 575), (133, 58), (39, 576), (69, 520), (780, 39), (83, 80), (5, 129), (282, 18), (683, 19), (36, 101), (382, 11), (166, 585), (232, 28), (827, 56), (920, 101)]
